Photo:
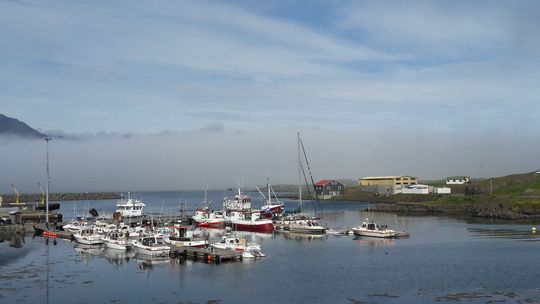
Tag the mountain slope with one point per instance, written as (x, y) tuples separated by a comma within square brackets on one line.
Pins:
[(15, 127)]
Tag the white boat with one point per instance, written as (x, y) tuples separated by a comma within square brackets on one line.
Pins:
[(130, 207), (76, 225), (371, 229), (104, 228), (248, 250), (117, 240), (180, 236), (153, 246), (88, 236), (305, 226), (207, 218)]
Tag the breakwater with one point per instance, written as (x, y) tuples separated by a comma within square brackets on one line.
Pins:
[(35, 197)]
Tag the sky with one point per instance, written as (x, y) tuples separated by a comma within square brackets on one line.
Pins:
[(163, 95)]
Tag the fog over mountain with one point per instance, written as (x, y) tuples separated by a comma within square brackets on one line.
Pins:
[(222, 158)]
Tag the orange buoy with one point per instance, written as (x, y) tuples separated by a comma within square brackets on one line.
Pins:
[(209, 257)]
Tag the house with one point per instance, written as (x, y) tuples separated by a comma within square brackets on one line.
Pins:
[(386, 185), (327, 188), (458, 180)]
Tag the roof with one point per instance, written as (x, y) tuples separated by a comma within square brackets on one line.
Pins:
[(323, 182), (387, 177)]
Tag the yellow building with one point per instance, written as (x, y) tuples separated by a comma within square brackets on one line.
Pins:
[(388, 180)]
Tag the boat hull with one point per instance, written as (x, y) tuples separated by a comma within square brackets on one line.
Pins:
[(378, 234), (152, 251), (206, 224), (190, 243), (307, 230), (254, 227), (118, 245), (88, 241)]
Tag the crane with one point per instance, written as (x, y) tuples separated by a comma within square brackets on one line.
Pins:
[(17, 201), (42, 194)]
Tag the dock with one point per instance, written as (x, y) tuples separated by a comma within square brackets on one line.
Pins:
[(205, 254)]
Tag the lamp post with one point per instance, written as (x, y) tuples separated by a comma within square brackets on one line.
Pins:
[(47, 139)]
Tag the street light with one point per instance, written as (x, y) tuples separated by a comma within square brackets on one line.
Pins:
[(47, 139)]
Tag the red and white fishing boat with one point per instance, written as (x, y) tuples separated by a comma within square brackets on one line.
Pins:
[(272, 207), (250, 221), (206, 218)]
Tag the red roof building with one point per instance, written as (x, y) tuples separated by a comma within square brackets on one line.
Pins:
[(327, 188)]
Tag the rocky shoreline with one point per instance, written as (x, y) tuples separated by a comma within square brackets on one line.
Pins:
[(496, 211)]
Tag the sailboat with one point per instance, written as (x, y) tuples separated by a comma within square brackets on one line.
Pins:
[(301, 222)]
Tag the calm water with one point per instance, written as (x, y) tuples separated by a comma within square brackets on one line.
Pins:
[(444, 260)]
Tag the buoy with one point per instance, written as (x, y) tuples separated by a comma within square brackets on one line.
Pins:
[(533, 229), (209, 258)]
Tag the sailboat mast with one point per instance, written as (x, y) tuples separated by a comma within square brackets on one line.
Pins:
[(299, 173)]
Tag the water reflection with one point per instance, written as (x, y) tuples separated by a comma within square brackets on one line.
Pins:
[(118, 257), (374, 242), (147, 263), (16, 240), (504, 233), (293, 236)]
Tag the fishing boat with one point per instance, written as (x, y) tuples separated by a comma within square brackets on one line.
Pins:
[(371, 229), (180, 236), (88, 236), (248, 250), (130, 207), (76, 225), (206, 218), (238, 202), (250, 221), (271, 207), (309, 226), (117, 240), (153, 246)]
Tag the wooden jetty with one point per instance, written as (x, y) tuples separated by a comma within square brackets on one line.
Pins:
[(54, 232), (205, 254)]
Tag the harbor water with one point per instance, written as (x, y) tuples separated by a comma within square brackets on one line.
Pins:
[(444, 260)]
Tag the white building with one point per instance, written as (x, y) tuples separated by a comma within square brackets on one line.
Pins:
[(443, 190), (415, 189), (457, 180)]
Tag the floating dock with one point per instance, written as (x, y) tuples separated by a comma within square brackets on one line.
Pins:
[(210, 254)]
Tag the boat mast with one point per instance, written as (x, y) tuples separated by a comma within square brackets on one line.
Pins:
[(299, 173), (268, 186), (47, 139)]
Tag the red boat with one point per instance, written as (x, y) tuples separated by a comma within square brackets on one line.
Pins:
[(250, 221)]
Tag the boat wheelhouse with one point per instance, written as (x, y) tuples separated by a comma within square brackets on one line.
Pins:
[(130, 207)]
